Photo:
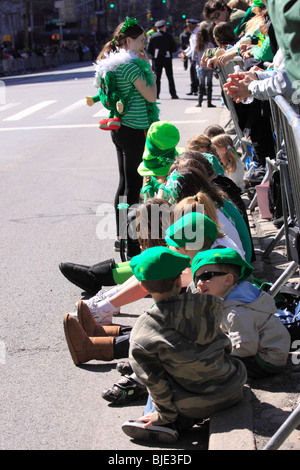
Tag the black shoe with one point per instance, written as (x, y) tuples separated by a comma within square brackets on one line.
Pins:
[(125, 391), (175, 97), (124, 368), (210, 105), (190, 93), (81, 276)]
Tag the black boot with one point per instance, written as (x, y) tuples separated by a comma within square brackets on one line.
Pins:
[(90, 278), (200, 96), (209, 97)]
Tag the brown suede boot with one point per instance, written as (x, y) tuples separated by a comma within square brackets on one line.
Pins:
[(84, 348), (89, 324)]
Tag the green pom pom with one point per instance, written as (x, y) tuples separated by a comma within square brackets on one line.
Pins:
[(128, 23)]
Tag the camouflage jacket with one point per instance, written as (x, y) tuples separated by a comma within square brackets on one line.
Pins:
[(180, 353)]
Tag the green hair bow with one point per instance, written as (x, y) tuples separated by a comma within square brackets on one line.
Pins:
[(128, 23)]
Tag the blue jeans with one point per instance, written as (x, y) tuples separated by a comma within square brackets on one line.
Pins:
[(182, 422), (204, 75)]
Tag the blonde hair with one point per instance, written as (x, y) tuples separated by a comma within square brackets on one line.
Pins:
[(189, 204), (231, 156)]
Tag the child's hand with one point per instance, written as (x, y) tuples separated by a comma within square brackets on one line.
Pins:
[(147, 420), (89, 101)]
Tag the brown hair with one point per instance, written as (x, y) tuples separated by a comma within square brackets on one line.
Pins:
[(224, 35), (201, 141), (152, 232), (189, 204), (161, 286), (194, 180), (202, 37), (119, 38)]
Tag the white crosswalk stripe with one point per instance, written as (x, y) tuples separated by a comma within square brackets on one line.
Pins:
[(28, 111), (75, 109), (68, 109), (8, 106)]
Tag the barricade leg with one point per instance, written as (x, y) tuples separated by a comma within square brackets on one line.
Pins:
[(284, 431)]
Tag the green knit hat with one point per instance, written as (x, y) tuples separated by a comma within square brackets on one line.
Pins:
[(158, 262), (222, 256), (160, 149), (190, 230)]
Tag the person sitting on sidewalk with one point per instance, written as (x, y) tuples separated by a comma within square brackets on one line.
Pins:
[(177, 349), (258, 337)]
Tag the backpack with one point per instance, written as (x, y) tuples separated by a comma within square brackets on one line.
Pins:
[(113, 100)]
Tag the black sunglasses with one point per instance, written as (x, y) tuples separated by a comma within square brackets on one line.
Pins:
[(217, 14), (207, 276)]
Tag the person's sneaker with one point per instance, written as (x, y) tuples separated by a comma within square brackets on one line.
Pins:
[(125, 391), (162, 434), (124, 368), (94, 303)]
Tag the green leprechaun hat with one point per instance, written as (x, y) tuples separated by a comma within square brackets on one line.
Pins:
[(160, 149)]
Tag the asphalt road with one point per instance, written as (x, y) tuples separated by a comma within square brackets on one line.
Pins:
[(58, 174)]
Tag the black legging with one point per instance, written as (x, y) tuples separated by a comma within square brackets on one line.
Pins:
[(130, 144)]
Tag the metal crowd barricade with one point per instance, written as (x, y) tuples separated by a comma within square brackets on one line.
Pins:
[(239, 140), (287, 129), (35, 63)]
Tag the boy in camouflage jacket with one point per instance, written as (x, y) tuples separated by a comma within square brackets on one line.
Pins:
[(179, 352)]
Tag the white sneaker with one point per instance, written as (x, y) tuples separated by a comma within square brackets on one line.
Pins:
[(163, 434), (103, 312), (93, 302)]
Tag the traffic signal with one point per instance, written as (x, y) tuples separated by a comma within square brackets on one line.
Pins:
[(112, 5), (183, 16)]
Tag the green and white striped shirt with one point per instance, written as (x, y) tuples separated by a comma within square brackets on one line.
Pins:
[(136, 115)]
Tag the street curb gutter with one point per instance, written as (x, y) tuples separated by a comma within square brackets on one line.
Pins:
[(232, 429)]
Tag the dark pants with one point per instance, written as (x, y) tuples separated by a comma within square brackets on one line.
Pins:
[(130, 145), (158, 66), (255, 120), (194, 77)]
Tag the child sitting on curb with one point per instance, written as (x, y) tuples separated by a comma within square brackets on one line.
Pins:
[(258, 337), (179, 352)]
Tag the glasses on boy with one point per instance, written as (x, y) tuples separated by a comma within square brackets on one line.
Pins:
[(207, 276)]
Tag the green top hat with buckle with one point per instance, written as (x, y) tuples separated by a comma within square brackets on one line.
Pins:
[(160, 149)]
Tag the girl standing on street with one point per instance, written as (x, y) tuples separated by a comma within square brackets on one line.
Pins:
[(125, 56), (204, 74)]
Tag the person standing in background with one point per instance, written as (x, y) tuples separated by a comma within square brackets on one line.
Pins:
[(190, 52), (184, 42), (161, 48)]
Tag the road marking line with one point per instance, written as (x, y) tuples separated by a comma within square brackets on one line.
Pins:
[(103, 112), (8, 106), (32, 109), (78, 126), (68, 109)]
